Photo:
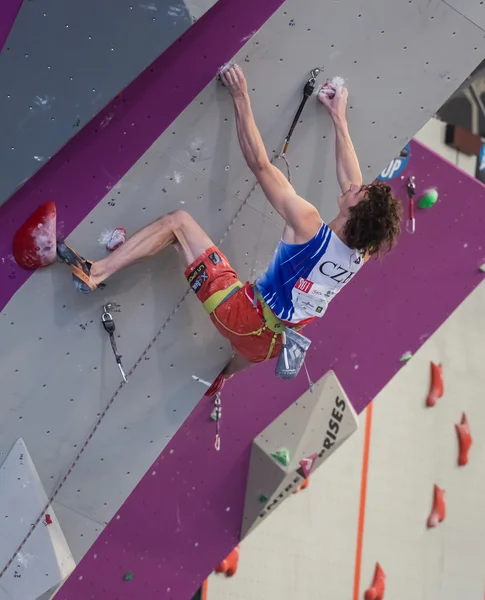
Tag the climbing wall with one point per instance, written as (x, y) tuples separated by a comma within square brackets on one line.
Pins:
[(45, 560), (63, 62), (372, 501), (141, 165), (310, 547), (365, 359), (294, 445)]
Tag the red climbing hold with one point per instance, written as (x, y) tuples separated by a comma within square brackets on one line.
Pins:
[(438, 512), (464, 440), (437, 388), (34, 244), (378, 587), (48, 520), (229, 564)]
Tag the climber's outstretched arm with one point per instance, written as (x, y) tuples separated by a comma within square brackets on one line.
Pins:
[(348, 168), (300, 216)]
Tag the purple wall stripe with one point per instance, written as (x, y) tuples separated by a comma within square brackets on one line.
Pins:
[(179, 523), (8, 13), (98, 157)]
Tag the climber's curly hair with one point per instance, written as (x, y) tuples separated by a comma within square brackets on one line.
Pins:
[(375, 222)]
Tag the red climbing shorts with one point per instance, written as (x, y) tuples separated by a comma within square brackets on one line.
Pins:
[(237, 319)]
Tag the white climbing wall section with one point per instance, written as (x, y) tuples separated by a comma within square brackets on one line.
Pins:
[(45, 560), (294, 445)]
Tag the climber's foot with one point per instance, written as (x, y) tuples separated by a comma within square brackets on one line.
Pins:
[(80, 267)]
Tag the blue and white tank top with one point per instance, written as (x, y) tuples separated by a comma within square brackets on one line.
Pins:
[(302, 278)]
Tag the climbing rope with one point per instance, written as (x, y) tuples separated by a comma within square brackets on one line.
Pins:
[(122, 384)]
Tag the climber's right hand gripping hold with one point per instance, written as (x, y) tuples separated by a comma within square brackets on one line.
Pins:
[(349, 175)]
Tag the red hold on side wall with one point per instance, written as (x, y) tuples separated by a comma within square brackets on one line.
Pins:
[(378, 587), (438, 512), (464, 440), (229, 564), (437, 388)]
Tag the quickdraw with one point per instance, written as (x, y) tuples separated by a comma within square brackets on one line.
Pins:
[(307, 92), (216, 416), (109, 326), (411, 189), (216, 413)]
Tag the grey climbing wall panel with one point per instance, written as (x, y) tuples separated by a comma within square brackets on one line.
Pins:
[(45, 561), (64, 61), (471, 9), (57, 382), (306, 434)]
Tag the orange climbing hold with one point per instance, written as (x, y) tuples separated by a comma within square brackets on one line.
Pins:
[(437, 388), (229, 564), (464, 440), (378, 587), (303, 486), (438, 512)]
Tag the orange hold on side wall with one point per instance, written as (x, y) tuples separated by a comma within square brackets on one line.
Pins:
[(437, 388), (378, 587), (229, 564), (438, 512), (303, 486), (464, 440)]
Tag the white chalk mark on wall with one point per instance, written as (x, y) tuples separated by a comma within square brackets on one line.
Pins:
[(150, 6), (175, 11), (107, 120)]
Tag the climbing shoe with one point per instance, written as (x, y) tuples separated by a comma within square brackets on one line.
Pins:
[(80, 267)]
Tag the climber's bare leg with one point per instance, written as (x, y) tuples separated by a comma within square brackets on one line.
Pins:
[(175, 228)]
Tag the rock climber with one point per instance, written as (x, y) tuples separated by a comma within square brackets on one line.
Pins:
[(311, 264)]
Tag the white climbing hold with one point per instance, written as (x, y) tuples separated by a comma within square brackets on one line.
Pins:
[(329, 88), (199, 380)]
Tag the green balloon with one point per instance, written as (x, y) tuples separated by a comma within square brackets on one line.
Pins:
[(428, 199)]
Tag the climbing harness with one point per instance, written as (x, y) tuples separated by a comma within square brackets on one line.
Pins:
[(294, 345), (411, 189), (307, 92), (109, 326)]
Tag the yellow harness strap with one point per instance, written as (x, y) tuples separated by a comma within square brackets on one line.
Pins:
[(271, 320), (219, 297)]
